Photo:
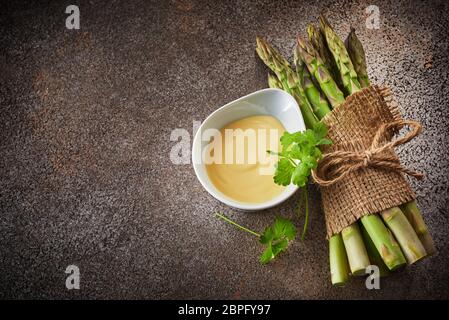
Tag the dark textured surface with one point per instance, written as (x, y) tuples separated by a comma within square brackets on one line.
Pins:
[(85, 123)]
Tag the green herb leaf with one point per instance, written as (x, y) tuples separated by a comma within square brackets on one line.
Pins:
[(276, 238), (267, 255), (267, 236), (284, 227), (324, 141), (279, 246), (287, 139), (320, 131), (283, 173), (300, 154), (300, 174)]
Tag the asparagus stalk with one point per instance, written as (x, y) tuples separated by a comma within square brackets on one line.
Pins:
[(274, 82), (373, 254), (317, 40), (357, 55), (290, 82), (264, 52), (415, 218), (319, 103), (298, 93), (317, 68), (384, 241), (345, 67), (338, 261), (404, 233), (355, 249)]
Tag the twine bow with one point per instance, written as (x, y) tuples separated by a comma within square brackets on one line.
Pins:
[(334, 166)]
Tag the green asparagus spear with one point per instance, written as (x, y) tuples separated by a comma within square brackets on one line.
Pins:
[(415, 218), (316, 67), (403, 231), (338, 261), (274, 82), (384, 241), (317, 40), (264, 52), (373, 254), (319, 103), (357, 55), (345, 67), (355, 249)]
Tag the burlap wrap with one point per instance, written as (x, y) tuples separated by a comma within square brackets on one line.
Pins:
[(352, 127)]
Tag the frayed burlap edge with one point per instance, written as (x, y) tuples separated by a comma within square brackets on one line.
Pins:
[(352, 127)]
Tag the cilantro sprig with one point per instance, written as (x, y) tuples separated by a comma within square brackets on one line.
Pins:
[(299, 155), (275, 238)]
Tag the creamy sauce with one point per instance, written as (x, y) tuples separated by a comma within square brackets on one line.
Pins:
[(245, 173)]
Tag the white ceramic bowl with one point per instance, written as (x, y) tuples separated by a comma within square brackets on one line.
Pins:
[(272, 102)]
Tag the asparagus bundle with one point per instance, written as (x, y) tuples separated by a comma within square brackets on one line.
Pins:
[(326, 73)]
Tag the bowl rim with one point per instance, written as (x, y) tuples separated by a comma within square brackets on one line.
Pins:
[(287, 193)]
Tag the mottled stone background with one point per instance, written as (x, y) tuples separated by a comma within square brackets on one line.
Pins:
[(86, 117)]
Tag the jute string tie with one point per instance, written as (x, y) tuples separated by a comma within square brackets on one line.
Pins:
[(335, 165)]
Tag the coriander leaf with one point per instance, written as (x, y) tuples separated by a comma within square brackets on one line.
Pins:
[(267, 236), (267, 255), (324, 141), (288, 228), (276, 238), (283, 173), (300, 154), (295, 151), (279, 227), (303, 140), (279, 247), (300, 174), (310, 162), (316, 153), (288, 138), (307, 139), (320, 131)]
